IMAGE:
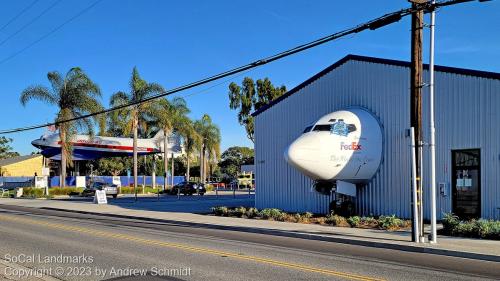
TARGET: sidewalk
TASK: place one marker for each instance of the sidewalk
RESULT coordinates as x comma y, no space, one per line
451,246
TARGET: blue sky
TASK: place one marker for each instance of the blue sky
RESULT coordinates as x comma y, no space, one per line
174,43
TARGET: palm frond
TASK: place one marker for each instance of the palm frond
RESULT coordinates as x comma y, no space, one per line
40,93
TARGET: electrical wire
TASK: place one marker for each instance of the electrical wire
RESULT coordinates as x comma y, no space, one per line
19,14
372,25
50,32
30,22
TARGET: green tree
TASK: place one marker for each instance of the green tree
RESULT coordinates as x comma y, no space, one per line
137,116
251,96
170,116
6,149
110,166
232,159
209,143
191,140
75,95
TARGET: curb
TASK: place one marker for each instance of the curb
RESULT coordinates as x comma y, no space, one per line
373,244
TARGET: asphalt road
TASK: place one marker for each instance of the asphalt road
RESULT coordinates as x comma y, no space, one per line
73,246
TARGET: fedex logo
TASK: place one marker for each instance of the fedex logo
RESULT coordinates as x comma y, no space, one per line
350,146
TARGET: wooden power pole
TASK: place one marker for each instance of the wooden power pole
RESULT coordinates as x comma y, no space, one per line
416,97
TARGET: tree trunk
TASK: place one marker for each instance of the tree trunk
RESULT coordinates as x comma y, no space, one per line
201,164
187,167
135,153
165,158
62,176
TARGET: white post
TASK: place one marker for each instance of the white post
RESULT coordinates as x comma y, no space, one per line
416,233
172,169
432,142
153,174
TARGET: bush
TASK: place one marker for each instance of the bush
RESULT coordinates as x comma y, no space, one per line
220,211
450,222
354,221
481,228
237,212
369,222
273,214
65,191
389,222
209,187
251,213
33,192
336,220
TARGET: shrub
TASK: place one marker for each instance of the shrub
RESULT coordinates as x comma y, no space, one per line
237,212
209,187
321,220
450,222
33,192
220,211
389,222
354,221
336,220
369,222
251,213
65,191
272,214
307,215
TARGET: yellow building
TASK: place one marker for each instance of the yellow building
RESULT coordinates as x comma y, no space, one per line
20,166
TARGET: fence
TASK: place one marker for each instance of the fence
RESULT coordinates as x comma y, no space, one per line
13,182
124,180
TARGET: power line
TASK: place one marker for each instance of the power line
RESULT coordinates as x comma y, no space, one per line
30,22
372,25
19,14
50,32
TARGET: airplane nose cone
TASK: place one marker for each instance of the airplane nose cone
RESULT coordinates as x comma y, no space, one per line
304,155
35,143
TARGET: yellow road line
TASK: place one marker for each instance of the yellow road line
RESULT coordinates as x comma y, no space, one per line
192,249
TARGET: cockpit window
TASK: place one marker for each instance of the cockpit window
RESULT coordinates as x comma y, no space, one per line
307,129
323,127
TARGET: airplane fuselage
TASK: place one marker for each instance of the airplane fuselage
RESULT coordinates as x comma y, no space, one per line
85,147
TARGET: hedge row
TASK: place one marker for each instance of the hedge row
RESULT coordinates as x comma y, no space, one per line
489,229
34,192
382,222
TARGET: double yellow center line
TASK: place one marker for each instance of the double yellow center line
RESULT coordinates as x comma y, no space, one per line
106,234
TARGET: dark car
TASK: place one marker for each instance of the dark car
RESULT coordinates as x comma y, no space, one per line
111,189
188,188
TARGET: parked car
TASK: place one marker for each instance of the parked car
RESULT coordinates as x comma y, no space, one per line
111,189
188,188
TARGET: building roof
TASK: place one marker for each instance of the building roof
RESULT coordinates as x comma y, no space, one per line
462,71
13,160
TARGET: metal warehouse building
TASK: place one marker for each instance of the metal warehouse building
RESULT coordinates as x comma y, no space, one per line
467,138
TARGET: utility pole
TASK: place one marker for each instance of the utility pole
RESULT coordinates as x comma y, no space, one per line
416,83
432,142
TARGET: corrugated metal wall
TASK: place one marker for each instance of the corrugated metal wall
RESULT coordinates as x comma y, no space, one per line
466,118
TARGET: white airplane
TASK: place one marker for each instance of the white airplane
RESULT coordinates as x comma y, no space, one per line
88,148
343,146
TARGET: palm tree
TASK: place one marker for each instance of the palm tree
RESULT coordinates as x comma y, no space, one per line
192,140
137,115
75,95
170,116
210,141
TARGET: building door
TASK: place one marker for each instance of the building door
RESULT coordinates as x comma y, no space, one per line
466,183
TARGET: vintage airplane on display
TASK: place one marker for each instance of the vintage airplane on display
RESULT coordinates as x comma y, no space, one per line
86,147
341,147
